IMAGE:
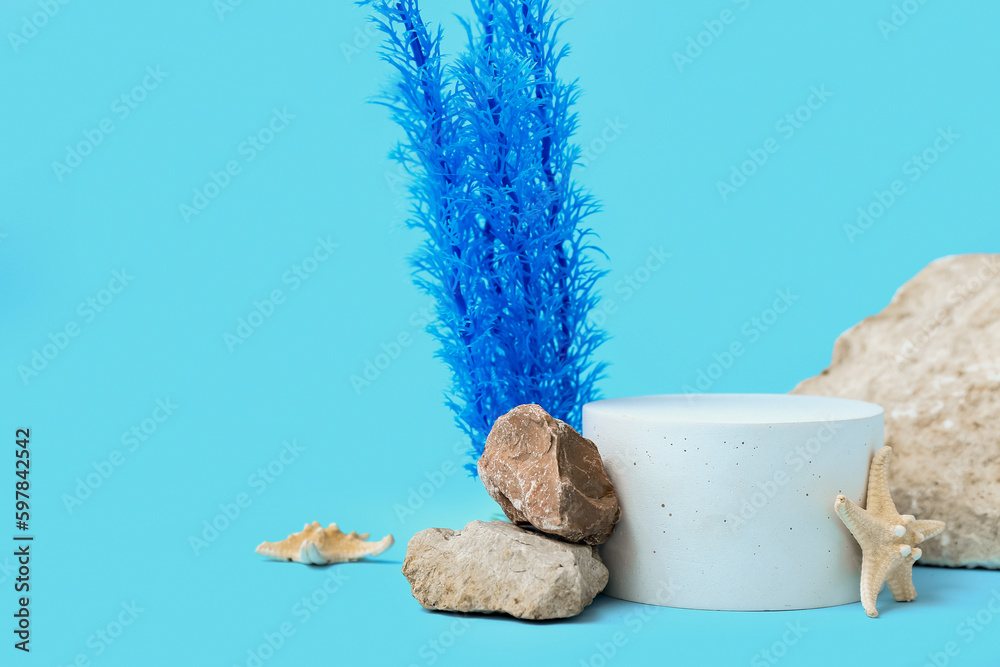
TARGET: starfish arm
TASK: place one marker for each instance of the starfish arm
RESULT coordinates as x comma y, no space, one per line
874,568
927,528
857,520
900,581
879,501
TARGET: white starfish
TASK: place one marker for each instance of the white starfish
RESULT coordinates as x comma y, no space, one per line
888,540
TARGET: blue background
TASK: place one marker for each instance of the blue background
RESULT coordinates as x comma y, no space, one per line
670,134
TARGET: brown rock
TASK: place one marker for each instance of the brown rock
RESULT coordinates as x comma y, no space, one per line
497,567
931,359
544,473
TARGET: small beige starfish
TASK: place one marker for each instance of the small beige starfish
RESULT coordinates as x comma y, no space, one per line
888,541
316,545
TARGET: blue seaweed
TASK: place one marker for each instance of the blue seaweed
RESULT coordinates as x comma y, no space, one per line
506,256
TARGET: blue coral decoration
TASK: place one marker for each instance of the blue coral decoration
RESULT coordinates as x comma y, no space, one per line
506,254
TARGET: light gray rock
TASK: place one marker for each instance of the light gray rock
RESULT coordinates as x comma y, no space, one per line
498,567
931,359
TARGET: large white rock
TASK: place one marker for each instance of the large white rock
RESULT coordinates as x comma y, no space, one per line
931,359
498,567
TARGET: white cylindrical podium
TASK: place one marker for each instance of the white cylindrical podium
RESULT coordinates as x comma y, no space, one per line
727,499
